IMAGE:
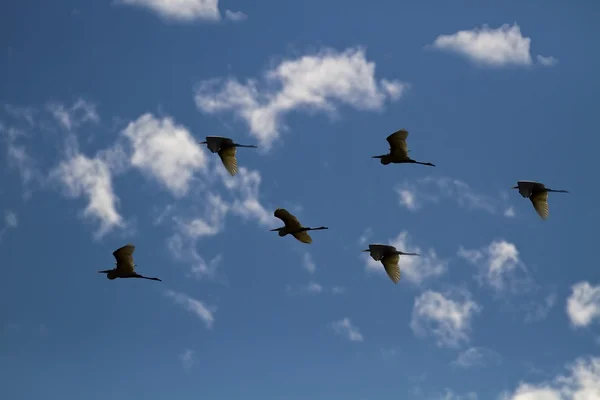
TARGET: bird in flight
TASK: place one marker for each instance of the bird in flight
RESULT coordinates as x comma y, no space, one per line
538,194
125,267
389,257
227,149
293,226
398,150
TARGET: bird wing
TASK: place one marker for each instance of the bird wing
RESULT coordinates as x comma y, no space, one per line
214,143
525,188
288,219
227,155
124,257
540,203
390,263
397,141
303,236
378,251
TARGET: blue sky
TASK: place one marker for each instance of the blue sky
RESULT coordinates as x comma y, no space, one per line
102,106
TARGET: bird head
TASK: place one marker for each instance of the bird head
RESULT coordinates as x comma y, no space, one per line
109,273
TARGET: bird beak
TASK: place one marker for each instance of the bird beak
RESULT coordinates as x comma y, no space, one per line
104,272
273,230
515,187
366,250
202,142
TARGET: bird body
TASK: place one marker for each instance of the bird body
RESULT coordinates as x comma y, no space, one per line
538,194
293,226
389,257
227,149
125,268
399,151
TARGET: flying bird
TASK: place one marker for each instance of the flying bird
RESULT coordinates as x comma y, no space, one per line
293,226
125,267
538,194
398,150
389,257
226,148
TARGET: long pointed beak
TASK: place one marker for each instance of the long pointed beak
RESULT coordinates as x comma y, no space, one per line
105,271
202,142
377,157
514,187
367,250
273,230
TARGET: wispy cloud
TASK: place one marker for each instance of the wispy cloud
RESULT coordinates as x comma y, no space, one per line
10,222
492,47
415,269
447,317
179,10
583,304
317,82
477,357
538,311
451,395
187,359
183,249
235,16
72,117
345,328
414,195
194,306
308,263
498,264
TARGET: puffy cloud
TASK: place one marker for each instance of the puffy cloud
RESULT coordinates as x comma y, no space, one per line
165,151
180,10
492,46
317,82
583,305
448,319
581,383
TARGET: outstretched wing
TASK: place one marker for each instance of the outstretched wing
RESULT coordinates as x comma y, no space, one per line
397,141
124,257
288,219
390,263
227,155
303,236
214,143
540,203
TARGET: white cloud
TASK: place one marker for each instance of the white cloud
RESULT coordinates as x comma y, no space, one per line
365,237
180,10
583,305
497,262
581,383
509,212
165,151
235,15
72,117
447,319
10,219
477,357
308,263
414,194
344,327
91,177
317,82
415,269
194,306
487,46
213,222
539,311
407,199
187,359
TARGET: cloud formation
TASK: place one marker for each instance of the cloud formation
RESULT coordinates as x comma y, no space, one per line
316,82
495,47
583,304
447,317
180,10
194,306
345,328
